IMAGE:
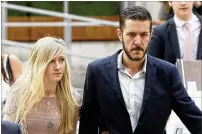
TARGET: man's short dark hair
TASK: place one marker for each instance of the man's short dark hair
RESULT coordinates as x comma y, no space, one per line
135,13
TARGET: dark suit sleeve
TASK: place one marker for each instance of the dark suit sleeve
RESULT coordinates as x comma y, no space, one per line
184,106
156,44
89,109
19,130
8,127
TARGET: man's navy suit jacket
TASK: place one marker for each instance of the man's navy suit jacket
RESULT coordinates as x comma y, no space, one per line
8,127
104,107
164,42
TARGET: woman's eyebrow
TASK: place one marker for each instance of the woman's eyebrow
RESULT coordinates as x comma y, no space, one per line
60,57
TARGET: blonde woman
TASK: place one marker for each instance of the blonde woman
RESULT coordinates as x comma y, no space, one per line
42,100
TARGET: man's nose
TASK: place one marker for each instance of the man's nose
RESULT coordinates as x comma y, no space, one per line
183,2
137,40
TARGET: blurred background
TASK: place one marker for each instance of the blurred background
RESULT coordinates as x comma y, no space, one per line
88,27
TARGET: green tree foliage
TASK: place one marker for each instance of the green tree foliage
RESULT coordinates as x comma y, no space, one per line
84,8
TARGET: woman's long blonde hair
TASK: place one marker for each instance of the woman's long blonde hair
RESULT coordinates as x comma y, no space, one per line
31,85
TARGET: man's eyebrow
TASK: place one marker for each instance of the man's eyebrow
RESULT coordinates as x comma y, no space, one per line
131,32
145,32
138,32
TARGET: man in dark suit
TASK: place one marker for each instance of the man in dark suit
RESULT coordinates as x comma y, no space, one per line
169,40
8,127
132,92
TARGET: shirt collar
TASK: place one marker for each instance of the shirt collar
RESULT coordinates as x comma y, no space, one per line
121,67
180,23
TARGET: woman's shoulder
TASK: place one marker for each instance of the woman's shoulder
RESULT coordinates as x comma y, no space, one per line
14,60
4,90
16,65
12,102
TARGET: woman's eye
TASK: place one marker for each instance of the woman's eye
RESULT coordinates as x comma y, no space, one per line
62,60
51,61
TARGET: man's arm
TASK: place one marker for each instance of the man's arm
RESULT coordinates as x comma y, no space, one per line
156,44
10,127
19,130
89,109
184,106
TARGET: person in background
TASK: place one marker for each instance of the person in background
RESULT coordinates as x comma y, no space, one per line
8,127
180,37
42,99
167,12
11,69
131,92
197,9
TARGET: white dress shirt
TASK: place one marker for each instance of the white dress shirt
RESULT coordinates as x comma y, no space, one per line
132,89
195,31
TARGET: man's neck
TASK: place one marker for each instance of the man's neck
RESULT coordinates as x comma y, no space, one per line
185,18
132,66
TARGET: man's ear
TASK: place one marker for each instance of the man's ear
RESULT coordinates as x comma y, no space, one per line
119,34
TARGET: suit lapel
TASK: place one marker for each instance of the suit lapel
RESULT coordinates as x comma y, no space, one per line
112,70
199,49
174,39
149,82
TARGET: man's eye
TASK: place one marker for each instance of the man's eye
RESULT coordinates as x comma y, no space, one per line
131,34
144,34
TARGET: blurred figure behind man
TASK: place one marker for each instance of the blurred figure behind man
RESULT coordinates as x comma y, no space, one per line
11,69
180,37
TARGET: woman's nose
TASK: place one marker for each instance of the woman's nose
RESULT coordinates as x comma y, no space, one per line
57,65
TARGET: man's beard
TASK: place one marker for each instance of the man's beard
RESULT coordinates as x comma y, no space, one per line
128,53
